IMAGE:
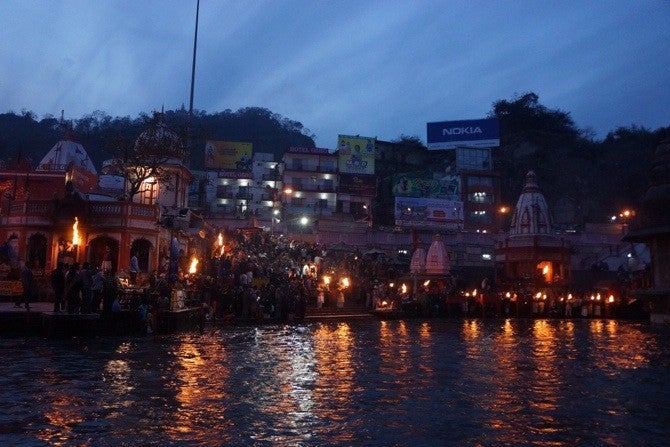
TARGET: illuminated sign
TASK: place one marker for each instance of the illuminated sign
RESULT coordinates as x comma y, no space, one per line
471,133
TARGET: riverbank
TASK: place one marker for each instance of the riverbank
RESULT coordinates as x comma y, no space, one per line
40,320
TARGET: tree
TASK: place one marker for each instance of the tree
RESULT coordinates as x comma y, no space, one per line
146,159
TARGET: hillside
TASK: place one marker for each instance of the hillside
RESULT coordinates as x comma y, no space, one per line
584,180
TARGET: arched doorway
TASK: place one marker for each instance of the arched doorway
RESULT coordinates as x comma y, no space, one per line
36,255
142,249
104,253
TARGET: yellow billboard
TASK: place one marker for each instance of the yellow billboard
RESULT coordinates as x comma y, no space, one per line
230,155
356,154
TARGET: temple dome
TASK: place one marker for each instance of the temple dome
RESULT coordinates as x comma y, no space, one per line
437,259
531,215
160,140
65,154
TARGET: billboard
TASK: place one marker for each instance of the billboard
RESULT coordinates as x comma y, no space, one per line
446,187
433,213
472,133
358,184
356,155
232,155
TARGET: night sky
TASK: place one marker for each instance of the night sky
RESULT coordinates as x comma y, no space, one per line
374,68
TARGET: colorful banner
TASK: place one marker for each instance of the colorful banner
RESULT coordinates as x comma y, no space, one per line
356,155
471,133
448,187
422,212
233,155
360,185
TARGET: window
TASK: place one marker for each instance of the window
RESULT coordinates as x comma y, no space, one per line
328,166
480,181
480,216
297,201
297,163
480,197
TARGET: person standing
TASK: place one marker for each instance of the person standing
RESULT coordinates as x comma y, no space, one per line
134,268
58,285
106,259
73,289
28,283
86,276
96,289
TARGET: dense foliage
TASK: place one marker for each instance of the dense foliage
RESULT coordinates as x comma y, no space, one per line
584,180
100,133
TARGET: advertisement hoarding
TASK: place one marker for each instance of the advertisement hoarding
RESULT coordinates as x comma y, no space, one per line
358,184
447,187
420,212
356,155
231,155
472,133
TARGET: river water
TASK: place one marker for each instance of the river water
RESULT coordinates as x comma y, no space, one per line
367,383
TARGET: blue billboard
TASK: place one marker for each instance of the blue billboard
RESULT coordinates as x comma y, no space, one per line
471,133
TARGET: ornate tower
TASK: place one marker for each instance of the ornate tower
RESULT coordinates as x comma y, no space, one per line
531,255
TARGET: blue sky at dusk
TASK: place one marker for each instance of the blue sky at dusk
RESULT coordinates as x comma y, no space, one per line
374,68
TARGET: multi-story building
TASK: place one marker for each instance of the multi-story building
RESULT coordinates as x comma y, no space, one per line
234,194
310,184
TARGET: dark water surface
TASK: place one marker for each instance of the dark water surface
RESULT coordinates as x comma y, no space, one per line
376,383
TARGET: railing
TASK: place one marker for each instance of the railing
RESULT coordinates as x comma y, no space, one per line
97,211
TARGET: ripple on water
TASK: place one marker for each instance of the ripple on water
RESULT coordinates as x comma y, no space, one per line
438,382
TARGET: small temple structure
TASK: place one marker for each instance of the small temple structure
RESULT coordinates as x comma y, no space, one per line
437,259
653,228
531,256
62,210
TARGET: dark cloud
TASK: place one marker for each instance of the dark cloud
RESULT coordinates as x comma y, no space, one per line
371,68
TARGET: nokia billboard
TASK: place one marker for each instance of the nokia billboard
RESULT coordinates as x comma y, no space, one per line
472,133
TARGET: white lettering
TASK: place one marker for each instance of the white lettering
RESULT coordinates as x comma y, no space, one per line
462,131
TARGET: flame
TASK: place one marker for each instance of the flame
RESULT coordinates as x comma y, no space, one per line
194,265
345,282
326,280
220,242
404,288
75,232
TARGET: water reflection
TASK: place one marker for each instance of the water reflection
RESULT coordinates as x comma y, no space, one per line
437,382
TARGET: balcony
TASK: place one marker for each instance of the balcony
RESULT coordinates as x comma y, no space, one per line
92,214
